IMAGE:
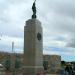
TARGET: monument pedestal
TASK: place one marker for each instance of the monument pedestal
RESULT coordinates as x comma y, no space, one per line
32,71
33,47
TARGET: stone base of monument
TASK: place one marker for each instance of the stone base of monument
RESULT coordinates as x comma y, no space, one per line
31,70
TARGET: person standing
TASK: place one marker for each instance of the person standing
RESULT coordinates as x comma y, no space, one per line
68,70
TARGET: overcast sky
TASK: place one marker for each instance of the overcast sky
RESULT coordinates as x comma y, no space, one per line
58,22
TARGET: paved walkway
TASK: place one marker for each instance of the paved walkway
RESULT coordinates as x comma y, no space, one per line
52,74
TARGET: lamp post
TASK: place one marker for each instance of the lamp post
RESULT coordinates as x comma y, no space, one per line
15,61
12,46
9,63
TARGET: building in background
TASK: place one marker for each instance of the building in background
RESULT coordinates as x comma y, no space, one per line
51,63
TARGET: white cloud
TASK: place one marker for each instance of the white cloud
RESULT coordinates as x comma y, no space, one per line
57,17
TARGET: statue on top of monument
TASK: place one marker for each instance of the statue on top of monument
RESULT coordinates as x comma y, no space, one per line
34,10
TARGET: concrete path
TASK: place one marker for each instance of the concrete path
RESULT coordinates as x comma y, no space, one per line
52,74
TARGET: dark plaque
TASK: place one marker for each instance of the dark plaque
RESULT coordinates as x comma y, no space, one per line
39,36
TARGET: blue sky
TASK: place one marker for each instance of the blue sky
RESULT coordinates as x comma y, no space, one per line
58,22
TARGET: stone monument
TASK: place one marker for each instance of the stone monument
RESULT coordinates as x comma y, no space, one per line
33,45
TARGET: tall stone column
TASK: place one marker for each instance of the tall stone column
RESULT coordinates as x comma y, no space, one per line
33,47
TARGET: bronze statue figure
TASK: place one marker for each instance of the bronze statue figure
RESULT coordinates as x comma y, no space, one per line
34,10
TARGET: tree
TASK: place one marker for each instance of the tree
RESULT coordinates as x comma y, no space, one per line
7,65
45,64
17,64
